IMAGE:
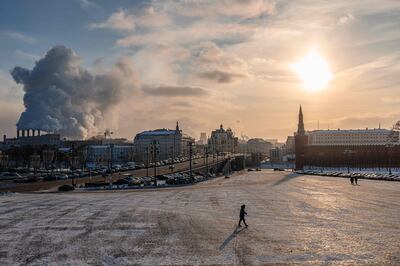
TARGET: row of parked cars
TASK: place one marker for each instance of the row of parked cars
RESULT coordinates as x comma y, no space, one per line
26,175
372,176
169,179
184,178
40,175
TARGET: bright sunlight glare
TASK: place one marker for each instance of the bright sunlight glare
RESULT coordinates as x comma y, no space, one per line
314,71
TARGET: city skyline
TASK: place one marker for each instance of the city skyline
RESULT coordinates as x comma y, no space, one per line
205,64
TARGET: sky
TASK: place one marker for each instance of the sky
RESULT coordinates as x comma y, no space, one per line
206,63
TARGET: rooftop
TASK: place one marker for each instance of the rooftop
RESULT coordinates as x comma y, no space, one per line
383,130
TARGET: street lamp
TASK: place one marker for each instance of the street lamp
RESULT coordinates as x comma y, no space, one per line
206,151
154,150
171,166
190,160
147,160
389,147
348,153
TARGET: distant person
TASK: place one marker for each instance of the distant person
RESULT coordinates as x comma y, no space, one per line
242,214
352,180
355,180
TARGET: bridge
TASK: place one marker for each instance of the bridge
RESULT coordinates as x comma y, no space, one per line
212,165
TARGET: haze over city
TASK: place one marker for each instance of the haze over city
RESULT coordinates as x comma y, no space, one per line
134,65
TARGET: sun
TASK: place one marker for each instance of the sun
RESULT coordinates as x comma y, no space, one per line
314,71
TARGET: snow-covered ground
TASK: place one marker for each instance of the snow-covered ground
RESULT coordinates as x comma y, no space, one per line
293,219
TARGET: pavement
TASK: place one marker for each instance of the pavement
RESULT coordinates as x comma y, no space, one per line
293,219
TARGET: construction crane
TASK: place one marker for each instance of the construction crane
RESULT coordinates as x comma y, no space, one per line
106,134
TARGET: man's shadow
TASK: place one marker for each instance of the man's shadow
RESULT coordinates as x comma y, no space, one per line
232,236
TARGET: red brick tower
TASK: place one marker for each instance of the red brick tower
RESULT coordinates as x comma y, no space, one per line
301,141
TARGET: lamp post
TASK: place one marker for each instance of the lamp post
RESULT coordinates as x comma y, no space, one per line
154,150
348,153
147,160
206,159
389,147
190,160
172,158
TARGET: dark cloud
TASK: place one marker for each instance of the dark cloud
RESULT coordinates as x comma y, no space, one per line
61,96
174,91
221,76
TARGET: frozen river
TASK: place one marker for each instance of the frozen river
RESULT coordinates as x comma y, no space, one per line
293,219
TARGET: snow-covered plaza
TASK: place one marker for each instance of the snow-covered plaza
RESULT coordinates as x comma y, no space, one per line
292,219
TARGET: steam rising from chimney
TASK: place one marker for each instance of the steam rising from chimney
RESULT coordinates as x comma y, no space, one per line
61,96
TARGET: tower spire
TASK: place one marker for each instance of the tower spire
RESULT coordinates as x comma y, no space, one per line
300,126
177,126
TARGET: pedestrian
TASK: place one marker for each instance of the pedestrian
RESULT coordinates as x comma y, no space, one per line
352,180
242,214
356,180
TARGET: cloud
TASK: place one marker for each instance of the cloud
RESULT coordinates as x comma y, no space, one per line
174,91
22,37
345,19
221,76
129,20
230,8
367,120
118,21
87,4
246,48
377,73
62,96
9,91
26,56
214,64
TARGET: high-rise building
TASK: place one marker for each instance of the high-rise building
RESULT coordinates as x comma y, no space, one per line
203,138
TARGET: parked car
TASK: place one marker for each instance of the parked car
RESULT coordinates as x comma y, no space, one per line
65,188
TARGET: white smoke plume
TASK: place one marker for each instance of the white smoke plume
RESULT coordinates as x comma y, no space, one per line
61,96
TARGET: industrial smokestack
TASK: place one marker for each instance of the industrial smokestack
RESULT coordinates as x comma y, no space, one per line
61,96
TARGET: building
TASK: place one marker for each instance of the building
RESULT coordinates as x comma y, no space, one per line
289,145
258,145
100,155
274,142
31,137
369,148
301,141
168,144
203,138
222,141
353,137
275,155
40,140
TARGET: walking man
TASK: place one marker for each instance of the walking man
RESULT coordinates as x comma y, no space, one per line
242,214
